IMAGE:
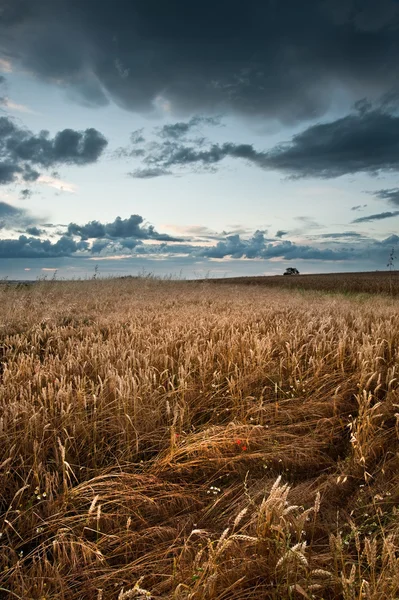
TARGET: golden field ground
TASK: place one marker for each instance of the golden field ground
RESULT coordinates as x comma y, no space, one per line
193,441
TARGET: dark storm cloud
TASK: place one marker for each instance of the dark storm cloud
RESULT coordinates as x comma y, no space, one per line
360,142
179,155
3,87
392,195
34,231
237,247
29,174
276,59
344,235
198,155
7,211
366,140
377,217
29,247
12,217
257,247
25,194
231,247
149,173
136,137
3,99
22,152
178,130
8,172
133,227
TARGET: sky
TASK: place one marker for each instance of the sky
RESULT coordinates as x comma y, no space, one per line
196,140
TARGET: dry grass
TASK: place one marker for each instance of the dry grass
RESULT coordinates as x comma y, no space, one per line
192,441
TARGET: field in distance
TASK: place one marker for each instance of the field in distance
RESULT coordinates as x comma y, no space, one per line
197,441
373,282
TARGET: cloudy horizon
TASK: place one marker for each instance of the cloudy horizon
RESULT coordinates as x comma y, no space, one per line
197,140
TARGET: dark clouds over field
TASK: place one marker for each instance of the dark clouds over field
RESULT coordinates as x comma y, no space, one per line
275,59
322,70
280,60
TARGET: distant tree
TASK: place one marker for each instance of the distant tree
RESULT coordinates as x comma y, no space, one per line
291,271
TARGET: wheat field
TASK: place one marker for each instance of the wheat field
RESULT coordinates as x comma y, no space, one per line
191,441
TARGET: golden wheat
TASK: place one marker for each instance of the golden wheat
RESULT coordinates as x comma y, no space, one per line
191,441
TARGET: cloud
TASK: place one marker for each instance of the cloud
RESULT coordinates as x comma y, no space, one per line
5,66
132,227
366,140
308,222
29,247
392,195
278,60
281,233
132,237
14,106
28,174
8,172
12,217
360,142
136,137
149,173
377,217
200,232
343,235
177,131
58,184
22,152
35,231
173,151
25,194
257,247
358,207
232,247
169,137
180,155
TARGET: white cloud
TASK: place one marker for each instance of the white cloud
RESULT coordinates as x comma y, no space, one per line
58,184
11,105
162,104
5,65
198,230
110,257
7,197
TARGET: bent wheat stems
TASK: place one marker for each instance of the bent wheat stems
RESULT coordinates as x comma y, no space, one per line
189,440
